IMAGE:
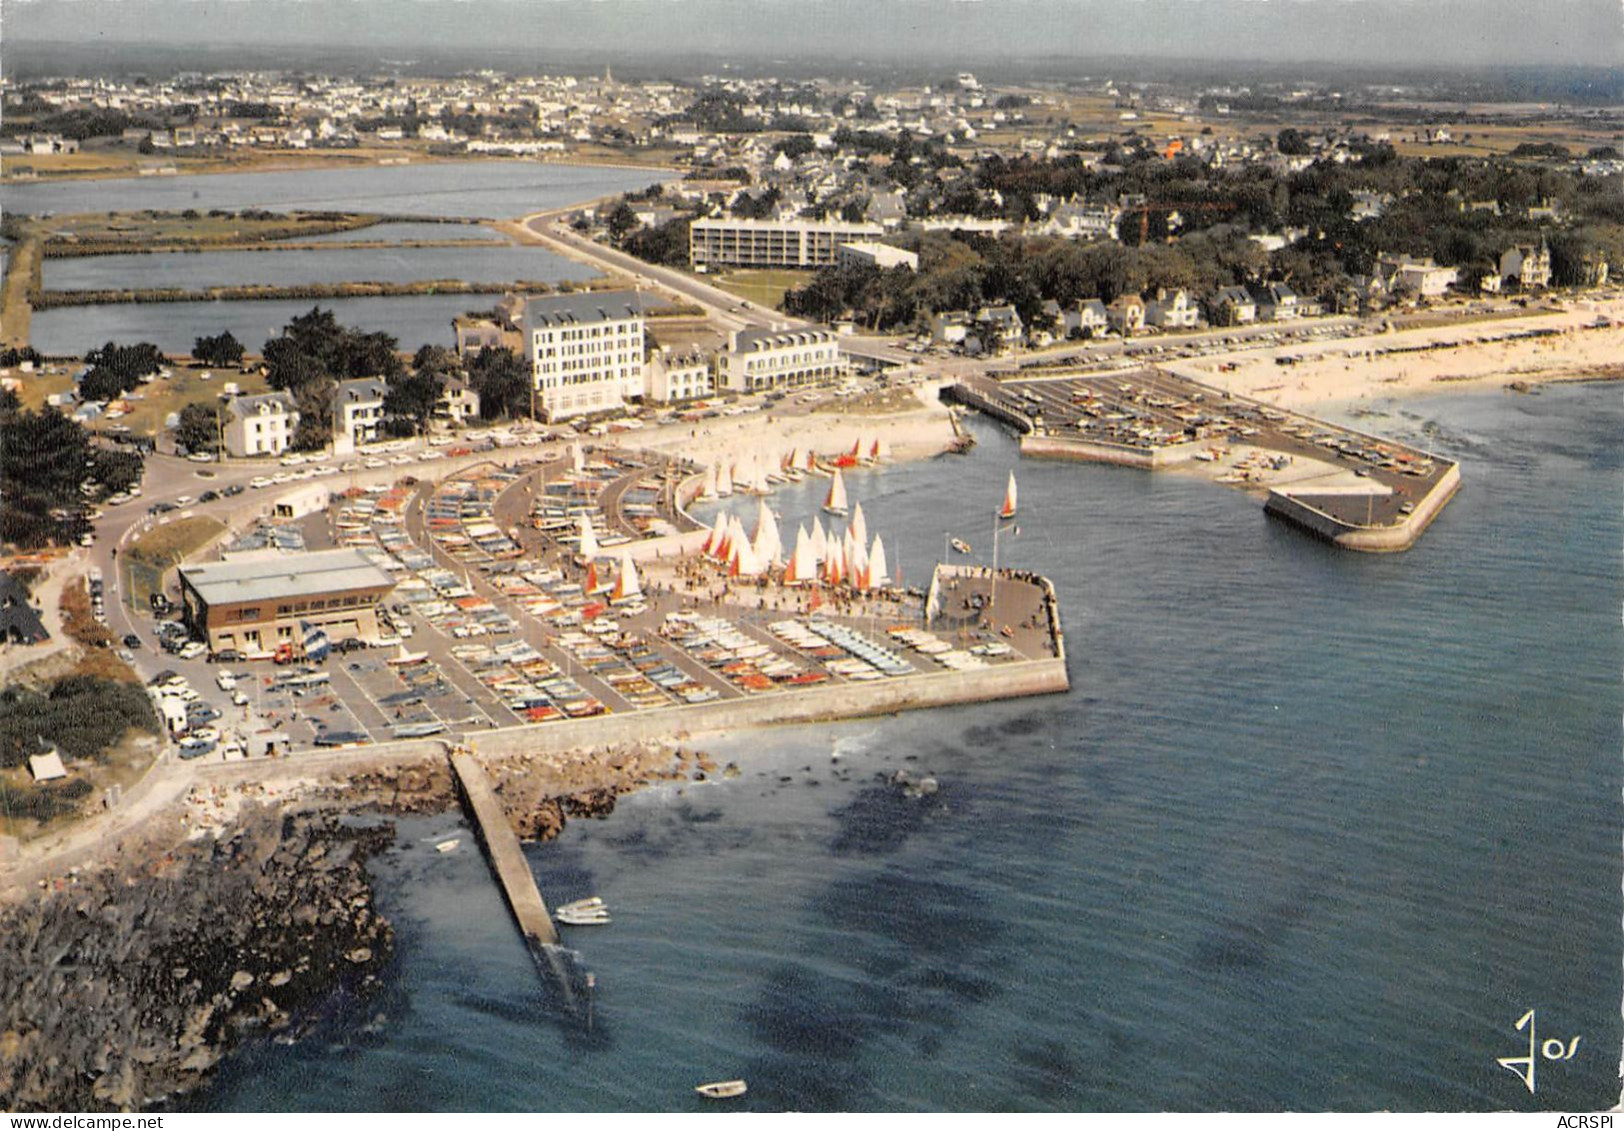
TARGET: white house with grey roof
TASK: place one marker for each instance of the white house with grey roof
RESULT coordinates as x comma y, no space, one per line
586,351
767,359
357,413
261,425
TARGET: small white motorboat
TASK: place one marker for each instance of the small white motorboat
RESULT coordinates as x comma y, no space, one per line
722,1089
447,845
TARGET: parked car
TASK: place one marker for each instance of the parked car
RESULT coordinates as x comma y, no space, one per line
234,489
192,651
162,508
131,640
227,656
208,496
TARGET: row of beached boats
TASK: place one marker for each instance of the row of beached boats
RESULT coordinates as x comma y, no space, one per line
758,473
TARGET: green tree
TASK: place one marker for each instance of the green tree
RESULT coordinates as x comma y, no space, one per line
221,349
622,220
199,428
412,397
503,383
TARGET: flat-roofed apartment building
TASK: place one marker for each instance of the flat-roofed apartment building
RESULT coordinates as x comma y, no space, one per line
773,243
586,351
769,359
254,605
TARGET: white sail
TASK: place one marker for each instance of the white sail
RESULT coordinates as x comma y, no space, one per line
589,540
820,540
877,572
1009,507
836,502
745,563
933,599
626,584
856,561
724,481
710,491
713,539
767,543
802,566
577,458
859,525
882,450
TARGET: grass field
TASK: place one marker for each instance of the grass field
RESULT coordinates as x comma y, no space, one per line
764,288
151,404
175,541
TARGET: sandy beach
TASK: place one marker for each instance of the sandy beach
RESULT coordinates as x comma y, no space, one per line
915,434
1344,371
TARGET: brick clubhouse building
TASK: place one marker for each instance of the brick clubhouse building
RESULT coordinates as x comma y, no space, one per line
259,604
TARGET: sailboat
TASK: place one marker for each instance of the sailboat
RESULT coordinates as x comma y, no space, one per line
626,587
403,657
1008,509
877,578
588,548
724,482
859,525
802,568
836,504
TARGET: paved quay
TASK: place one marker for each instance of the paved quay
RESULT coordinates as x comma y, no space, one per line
1353,489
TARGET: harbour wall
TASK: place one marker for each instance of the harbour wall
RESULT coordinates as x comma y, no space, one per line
1389,538
1043,446
828,703
969,395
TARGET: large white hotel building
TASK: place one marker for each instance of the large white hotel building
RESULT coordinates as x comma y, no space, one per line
586,351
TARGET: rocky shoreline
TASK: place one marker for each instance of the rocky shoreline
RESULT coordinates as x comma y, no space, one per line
125,986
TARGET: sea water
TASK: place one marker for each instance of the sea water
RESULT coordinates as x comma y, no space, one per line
1311,830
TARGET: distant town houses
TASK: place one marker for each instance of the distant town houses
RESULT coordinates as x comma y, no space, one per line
1420,277
1172,310
458,403
759,359
1232,306
671,378
1526,265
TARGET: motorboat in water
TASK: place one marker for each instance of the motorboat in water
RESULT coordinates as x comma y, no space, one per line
961,545
722,1089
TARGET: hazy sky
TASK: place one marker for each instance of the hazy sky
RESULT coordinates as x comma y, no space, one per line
1399,32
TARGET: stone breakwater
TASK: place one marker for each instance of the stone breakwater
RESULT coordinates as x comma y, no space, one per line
124,987
539,793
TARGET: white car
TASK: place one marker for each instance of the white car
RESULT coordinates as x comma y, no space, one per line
225,681
374,463
282,477
292,459
239,698
401,460
184,500
201,457
194,651
353,465
259,481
